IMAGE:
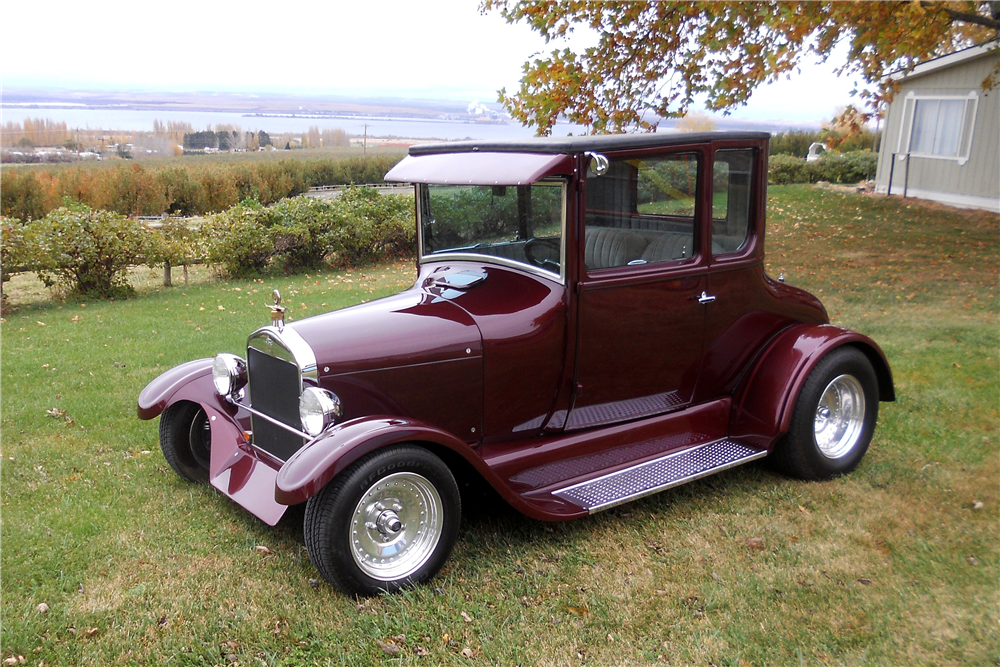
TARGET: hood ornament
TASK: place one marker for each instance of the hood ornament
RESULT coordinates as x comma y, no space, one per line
278,312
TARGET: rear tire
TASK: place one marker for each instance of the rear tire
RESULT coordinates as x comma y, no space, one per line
387,522
186,440
834,418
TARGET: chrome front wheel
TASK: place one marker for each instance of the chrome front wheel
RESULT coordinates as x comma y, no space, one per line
388,521
396,526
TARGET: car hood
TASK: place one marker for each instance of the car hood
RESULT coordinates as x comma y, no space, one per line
412,327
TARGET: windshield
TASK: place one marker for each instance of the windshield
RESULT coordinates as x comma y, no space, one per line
520,224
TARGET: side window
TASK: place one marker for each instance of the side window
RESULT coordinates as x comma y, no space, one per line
641,211
732,183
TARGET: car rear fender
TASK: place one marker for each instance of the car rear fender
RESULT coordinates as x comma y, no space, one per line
191,381
765,399
312,467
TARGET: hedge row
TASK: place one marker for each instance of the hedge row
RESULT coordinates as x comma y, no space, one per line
89,251
133,190
850,167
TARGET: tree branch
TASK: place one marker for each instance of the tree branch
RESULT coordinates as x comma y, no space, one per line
965,17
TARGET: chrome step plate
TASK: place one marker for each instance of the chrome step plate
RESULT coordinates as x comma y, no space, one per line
662,473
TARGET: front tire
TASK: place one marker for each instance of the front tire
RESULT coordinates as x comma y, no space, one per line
186,440
387,522
834,418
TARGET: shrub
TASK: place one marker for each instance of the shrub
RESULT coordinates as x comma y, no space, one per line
240,240
300,232
784,169
189,190
373,227
21,195
89,251
360,226
14,249
850,167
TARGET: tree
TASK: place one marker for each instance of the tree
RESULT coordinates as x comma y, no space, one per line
695,121
654,58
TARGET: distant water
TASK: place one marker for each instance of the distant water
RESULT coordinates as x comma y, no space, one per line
378,126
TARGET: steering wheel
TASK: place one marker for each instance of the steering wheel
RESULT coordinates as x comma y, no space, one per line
543,246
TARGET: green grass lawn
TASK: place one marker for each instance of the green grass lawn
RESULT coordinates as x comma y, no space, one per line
891,565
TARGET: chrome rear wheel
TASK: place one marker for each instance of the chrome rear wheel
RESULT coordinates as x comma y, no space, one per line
840,417
834,418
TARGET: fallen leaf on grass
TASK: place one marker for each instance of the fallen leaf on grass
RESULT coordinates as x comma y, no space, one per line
804,510
977,505
466,617
42,608
388,648
577,611
14,660
865,582
91,632
972,560
421,651
466,652
262,549
755,543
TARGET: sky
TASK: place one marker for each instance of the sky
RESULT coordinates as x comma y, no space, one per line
434,49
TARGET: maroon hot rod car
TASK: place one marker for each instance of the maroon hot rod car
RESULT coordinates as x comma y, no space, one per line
591,323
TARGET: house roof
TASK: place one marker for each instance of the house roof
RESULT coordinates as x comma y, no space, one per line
949,60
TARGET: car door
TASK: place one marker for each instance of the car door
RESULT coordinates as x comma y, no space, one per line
641,294
745,313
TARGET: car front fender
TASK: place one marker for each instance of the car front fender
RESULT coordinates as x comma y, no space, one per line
180,382
312,467
765,399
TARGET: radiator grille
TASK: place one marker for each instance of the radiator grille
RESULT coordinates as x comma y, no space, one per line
275,385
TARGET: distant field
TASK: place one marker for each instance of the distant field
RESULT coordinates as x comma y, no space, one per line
895,564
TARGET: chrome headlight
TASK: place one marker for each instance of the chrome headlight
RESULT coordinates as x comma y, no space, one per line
229,373
318,408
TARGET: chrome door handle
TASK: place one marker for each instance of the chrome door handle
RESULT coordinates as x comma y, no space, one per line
706,298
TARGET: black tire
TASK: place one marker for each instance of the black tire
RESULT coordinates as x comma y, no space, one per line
834,418
186,440
376,503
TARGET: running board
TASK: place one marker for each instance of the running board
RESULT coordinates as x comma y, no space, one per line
659,474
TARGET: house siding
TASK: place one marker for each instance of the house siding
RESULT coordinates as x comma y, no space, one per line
975,182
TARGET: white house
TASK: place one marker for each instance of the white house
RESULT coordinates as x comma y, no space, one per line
942,132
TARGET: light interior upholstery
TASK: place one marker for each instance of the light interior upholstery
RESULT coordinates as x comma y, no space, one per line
607,247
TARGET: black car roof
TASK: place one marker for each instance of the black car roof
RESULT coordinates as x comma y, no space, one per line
600,142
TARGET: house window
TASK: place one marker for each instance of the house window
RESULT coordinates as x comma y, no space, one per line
938,126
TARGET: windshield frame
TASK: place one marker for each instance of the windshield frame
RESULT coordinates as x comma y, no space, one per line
457,254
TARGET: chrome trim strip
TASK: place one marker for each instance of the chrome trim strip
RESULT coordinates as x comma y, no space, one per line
575,498
291,429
